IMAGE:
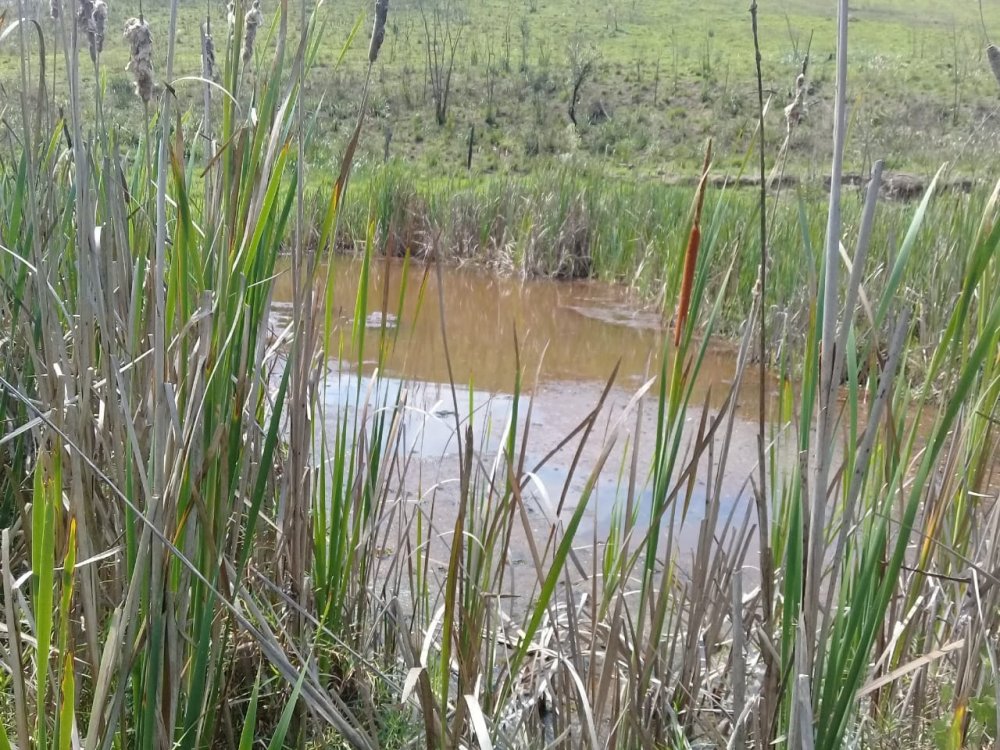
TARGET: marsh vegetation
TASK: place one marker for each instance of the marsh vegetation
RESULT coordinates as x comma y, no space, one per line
309,439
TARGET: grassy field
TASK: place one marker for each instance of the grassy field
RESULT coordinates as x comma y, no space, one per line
187,560
666,75
543,196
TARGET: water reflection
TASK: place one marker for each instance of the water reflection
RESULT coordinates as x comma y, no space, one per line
567,331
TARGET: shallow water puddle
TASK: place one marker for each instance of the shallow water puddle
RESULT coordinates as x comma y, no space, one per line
570,337
576,330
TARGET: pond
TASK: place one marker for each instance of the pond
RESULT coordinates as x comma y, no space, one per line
568,337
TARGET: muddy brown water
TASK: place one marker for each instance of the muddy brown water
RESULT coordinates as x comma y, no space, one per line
568,332
571,336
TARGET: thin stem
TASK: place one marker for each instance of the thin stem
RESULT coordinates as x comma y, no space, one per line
814,553
766,562
208,69
159,270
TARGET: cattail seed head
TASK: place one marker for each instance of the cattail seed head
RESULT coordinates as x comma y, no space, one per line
55,8
993,54
795,112
378,29
100,18
207,54
253,19
86,21
85,15
140,40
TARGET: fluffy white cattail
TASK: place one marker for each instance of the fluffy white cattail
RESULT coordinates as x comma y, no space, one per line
796,111
378,30
140,40
85,15
252,21
100,24
87,24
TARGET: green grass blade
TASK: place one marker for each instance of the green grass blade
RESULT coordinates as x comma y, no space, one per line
905,251
250,721
47,497
278,738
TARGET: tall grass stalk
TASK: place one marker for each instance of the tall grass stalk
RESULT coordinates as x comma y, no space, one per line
831,266
765,554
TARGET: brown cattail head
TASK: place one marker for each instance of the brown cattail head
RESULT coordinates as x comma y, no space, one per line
207,54
691,254
140,62
378,30
993,54
253,19
55,8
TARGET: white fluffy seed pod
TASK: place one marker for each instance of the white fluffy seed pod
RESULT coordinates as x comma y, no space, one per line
140,63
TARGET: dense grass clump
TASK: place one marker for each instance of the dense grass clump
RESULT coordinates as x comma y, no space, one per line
216,531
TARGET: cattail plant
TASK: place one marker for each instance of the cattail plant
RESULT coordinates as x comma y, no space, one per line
140,63
55,8
85,15
378,30
207,54
691,255
86,23
993,55
253,19
99,22
796,111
